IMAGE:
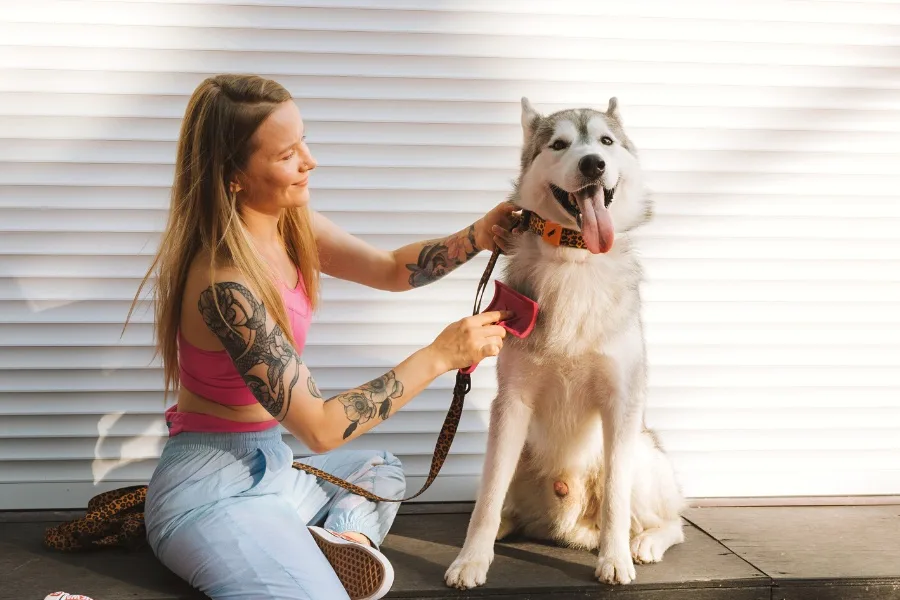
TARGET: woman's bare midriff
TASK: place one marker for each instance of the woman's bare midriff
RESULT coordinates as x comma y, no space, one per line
189,402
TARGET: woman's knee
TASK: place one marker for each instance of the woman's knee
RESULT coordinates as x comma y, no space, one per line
391,460
393,468
381,459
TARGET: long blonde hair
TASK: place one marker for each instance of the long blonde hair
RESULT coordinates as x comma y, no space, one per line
214,145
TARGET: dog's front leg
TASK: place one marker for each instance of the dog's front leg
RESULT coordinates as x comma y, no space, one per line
506,437
621,427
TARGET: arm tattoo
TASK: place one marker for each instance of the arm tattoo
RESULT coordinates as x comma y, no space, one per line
370,400
313,388
438,258
242,330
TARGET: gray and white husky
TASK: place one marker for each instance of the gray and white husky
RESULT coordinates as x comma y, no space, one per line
568,456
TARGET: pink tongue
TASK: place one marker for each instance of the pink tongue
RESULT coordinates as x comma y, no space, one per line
597,227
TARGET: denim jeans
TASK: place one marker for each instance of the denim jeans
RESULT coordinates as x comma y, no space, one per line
228,513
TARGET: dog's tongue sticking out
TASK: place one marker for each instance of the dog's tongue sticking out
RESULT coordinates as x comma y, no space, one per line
597,226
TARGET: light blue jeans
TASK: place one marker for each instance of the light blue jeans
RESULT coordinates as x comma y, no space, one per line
228,514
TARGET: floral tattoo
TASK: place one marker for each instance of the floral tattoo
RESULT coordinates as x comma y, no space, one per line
370,400
438,258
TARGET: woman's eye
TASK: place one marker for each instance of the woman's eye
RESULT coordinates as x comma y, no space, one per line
606,140
289,156
559,145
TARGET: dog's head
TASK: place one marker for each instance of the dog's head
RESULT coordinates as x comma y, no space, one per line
580,170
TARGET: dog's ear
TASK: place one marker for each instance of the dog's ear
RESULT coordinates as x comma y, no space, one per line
529,119
612,111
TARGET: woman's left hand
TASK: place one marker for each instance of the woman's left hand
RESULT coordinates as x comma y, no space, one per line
496,228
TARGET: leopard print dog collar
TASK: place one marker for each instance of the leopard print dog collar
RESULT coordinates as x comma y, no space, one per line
553,233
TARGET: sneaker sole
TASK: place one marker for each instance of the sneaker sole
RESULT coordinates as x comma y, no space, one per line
362,570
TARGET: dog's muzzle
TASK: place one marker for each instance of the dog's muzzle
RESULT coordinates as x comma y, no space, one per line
567,199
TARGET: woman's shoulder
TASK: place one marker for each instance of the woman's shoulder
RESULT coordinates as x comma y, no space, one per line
207,290
202,272
205,280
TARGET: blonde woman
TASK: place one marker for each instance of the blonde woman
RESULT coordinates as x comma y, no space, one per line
237,281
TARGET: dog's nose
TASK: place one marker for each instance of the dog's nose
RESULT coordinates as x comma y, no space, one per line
591,166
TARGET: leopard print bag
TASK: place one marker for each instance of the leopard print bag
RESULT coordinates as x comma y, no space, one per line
114,518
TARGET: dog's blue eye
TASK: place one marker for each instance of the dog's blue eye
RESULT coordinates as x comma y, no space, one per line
606,140
559,145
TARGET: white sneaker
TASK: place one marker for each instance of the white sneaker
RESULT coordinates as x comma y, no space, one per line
364,572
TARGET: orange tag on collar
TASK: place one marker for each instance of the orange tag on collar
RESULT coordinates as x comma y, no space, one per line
552,233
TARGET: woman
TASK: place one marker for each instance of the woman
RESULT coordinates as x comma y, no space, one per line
236,284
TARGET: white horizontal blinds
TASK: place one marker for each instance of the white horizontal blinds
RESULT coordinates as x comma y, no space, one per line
769,132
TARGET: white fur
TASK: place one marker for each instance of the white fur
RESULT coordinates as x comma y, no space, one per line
571,396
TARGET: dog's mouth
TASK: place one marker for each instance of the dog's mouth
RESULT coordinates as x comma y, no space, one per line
566,200
590,210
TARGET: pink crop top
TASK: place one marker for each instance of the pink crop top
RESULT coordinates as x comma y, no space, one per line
211,374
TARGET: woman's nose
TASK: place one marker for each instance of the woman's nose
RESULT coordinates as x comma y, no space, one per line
309,162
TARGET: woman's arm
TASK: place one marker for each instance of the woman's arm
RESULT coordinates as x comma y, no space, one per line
426,262
283,385
414,265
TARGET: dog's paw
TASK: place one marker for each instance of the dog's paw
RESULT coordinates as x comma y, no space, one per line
615,568
648,547
469,570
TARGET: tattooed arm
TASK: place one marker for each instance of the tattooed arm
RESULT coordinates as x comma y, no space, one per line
283,385
412,266
425,262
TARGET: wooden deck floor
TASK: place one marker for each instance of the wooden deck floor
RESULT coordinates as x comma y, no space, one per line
796,553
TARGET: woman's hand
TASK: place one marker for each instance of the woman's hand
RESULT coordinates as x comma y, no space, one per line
496,228
469,340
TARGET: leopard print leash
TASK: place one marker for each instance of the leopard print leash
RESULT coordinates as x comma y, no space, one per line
448,429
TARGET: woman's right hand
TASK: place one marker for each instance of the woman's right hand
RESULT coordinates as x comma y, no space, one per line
469,340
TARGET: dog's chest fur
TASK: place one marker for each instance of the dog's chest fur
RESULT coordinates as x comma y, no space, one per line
584,301
587,339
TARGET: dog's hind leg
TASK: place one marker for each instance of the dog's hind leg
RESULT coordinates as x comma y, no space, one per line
656,503
650,545
508,525
506,437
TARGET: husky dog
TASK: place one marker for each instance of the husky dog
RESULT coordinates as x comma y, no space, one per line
569,459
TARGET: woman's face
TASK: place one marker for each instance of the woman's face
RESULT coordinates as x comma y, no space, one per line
277,171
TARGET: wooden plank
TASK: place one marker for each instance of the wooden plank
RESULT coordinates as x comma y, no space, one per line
30,571
420,548
840,589
809,542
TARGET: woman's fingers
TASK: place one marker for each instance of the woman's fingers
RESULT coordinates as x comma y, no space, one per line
492,346
494,331
504,238
491,316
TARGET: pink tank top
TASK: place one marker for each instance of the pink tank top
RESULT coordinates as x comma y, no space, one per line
211,374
